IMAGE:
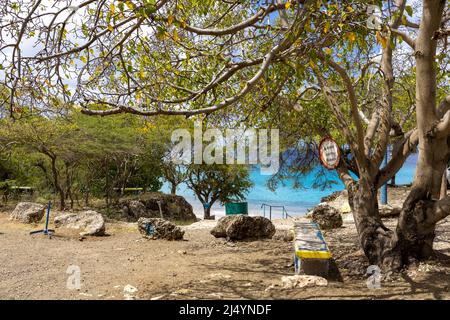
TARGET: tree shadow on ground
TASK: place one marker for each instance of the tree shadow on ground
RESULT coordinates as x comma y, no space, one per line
437,281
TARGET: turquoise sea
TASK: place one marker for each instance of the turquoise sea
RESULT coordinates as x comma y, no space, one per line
296,201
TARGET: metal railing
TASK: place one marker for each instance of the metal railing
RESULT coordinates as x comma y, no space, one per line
284,212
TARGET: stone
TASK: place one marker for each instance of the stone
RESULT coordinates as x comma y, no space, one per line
345,208
134,209
331,196
388,211
302,281
130,289
148,205
348,217
284,235
28,212
157,228
326,217
129,292
240,227
340,202
90,222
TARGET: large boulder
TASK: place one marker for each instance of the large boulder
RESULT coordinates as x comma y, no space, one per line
28,212
148,205
134,209
157,228
91,223
240,227
326,217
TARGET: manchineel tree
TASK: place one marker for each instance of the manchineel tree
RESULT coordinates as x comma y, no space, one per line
198,57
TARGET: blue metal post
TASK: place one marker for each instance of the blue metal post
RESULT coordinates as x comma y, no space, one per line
46,231
384,197
47,217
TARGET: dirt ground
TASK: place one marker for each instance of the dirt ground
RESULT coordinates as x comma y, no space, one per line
201,267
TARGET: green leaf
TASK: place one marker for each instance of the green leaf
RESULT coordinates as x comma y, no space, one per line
409,10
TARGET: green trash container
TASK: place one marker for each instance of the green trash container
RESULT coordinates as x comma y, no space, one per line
236,208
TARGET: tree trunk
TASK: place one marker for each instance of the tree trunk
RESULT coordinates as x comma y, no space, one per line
443,192
58,187
206,212
377,241
393,183
173,189
86,198
418,218
62,199
71,199
415,237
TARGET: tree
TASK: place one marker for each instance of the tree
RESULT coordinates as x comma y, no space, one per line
240,56
80,154
173,173
218,182
53,142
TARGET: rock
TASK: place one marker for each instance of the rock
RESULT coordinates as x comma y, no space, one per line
85,294
90,222
340,202
173,207
183,291
28,212
157,228
345,208
240,227
129,289
129,292
284,235
331,196
388,211
302,281
348,217
271,287
326,217
135,209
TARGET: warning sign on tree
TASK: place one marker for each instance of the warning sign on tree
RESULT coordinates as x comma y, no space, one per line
329,153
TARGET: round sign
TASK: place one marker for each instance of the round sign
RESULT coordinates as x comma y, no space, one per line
329,153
